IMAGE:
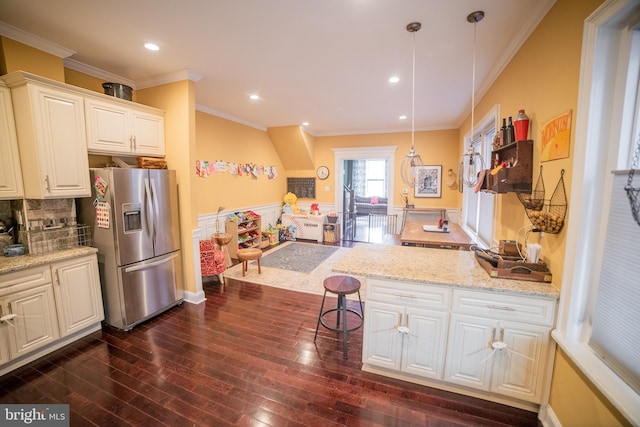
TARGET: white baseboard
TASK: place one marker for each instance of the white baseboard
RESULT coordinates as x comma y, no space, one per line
194,297
547,417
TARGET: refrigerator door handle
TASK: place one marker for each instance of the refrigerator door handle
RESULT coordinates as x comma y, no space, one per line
156,208
151,264
150,211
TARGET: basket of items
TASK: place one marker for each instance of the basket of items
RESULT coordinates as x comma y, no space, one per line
550,216
535,199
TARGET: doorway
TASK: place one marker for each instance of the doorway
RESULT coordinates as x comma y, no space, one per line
364,192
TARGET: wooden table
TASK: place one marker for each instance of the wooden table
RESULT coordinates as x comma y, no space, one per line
414,235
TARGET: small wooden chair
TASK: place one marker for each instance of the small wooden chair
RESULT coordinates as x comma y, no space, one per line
249,254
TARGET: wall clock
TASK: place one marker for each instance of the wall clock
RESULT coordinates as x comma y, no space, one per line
323,172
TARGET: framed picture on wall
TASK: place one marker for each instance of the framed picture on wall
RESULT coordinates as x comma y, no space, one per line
428,181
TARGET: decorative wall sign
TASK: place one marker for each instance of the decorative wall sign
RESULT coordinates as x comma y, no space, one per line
428,181
204,168
556,135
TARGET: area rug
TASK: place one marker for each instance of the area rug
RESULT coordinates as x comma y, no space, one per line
302,257
310,282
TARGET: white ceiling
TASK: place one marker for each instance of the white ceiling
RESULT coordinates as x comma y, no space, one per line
322,61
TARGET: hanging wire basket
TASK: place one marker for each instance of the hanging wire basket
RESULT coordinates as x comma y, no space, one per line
633,193
535,199
551,217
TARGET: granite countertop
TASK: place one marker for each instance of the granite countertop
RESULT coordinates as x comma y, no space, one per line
9,264
433,266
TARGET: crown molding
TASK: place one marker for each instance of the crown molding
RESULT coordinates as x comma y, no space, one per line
543,7
34,41
208,110
175,76
97,72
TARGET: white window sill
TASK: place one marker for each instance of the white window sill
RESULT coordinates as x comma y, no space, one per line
623,397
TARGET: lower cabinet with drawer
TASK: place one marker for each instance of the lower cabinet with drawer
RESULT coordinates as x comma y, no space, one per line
41,312
408,332
499,343
28,313
486,344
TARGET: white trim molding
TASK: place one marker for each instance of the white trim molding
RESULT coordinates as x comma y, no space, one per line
34,41
598,132
198,296
342,154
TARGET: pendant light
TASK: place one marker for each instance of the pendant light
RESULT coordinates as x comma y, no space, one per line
471,162
411,160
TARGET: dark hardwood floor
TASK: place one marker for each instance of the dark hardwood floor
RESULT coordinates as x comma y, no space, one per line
245,357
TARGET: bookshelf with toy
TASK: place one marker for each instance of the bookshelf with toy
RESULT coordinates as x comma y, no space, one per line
246,231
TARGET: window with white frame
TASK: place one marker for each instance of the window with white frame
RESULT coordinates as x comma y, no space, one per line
599,317
376,177
478,208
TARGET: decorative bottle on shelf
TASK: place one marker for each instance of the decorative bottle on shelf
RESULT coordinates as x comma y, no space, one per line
503,133
510,132
522,126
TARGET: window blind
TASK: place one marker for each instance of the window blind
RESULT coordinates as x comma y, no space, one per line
615,335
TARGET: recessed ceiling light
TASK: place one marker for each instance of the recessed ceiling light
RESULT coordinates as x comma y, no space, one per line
403,117
305,123
254,97
394,79
152,46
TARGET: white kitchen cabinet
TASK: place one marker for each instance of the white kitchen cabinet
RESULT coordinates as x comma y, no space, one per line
46,307
408,331
490,351
77,291
28,311
486,344
405,339
10,172
114,127
50,126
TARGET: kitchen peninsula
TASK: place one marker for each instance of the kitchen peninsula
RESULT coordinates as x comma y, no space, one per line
435,317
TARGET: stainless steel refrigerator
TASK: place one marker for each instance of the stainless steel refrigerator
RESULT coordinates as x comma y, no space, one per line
133,214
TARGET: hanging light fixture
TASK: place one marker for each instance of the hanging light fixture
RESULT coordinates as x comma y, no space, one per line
411,160
471,162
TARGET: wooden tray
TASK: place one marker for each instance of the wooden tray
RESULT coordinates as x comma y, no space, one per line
517,270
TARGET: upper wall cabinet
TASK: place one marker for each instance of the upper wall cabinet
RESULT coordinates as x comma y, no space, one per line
50,124
10,173
115,128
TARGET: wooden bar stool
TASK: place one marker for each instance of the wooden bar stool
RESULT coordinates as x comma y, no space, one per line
249,254
341,286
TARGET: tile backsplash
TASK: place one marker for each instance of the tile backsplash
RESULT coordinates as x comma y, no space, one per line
46,214
45,225
5,210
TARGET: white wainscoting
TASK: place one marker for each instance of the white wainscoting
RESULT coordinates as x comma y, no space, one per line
268,213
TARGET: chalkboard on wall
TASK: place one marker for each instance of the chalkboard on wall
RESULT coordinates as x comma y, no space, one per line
303,188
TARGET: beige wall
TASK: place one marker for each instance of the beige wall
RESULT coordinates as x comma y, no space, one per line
543,78
83,80
178,102
17,56
221,139
435,148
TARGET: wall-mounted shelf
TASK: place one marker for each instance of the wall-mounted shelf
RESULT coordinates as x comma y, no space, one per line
517,177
